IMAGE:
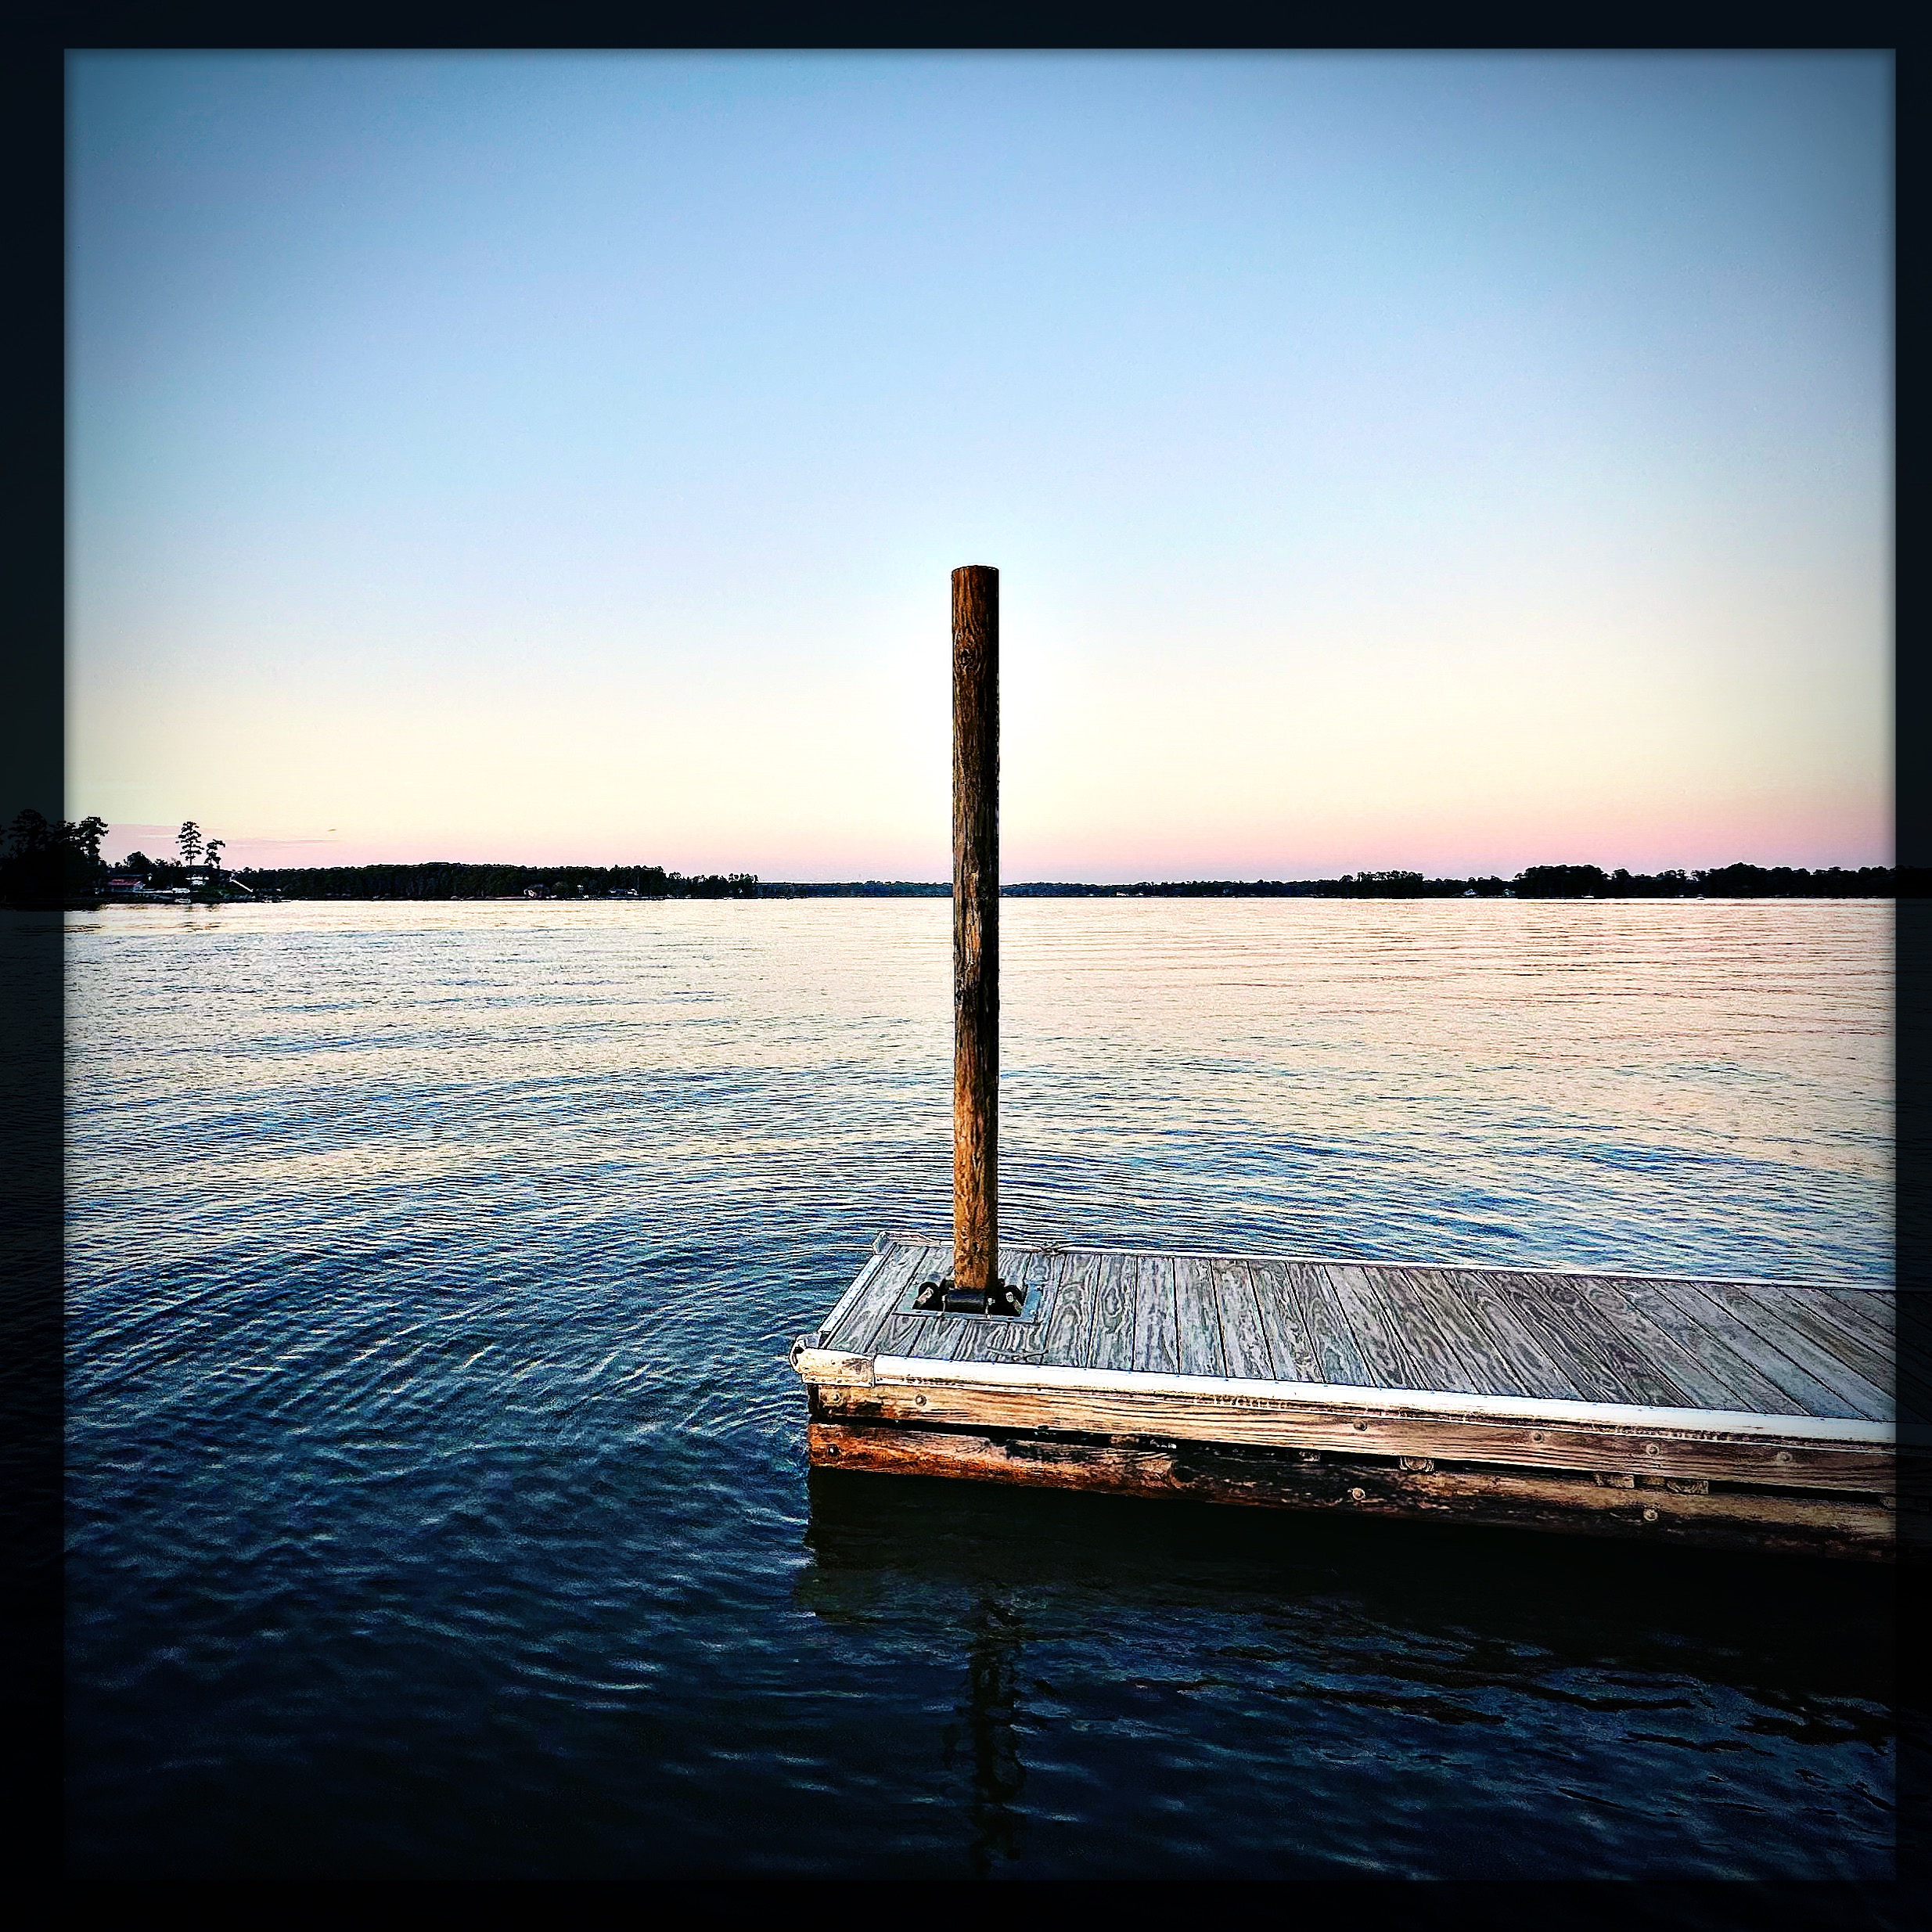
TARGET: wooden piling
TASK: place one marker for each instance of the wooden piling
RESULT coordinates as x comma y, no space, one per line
976,928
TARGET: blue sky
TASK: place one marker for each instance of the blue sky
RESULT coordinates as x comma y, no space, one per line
1456,461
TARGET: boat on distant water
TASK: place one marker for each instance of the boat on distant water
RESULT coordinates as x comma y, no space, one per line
203,885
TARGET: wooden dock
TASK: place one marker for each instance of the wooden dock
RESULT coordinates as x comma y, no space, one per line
1745,1414
1753,1415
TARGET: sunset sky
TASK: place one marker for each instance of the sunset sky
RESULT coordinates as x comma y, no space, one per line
1452,462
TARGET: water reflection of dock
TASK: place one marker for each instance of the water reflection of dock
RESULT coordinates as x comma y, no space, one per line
1740,1414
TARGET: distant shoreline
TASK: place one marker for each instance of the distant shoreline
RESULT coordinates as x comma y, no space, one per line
1872,882
445,881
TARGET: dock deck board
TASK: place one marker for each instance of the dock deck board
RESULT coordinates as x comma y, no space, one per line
1680,1343
1337,1359
1156,1321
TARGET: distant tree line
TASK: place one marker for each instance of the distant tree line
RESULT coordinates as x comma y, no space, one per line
858,889
1592,882
1535,882
52,862
1168,889
1723,882
48,862
57,861
441,880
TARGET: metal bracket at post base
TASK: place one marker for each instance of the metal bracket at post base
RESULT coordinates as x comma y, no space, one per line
1005,1300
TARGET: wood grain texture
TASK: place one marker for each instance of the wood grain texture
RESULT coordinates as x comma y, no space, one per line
1326,1326
1692,1365
975,924
1067,1312
1198,1318
861,1323
1566,1299
1593,1369
1438,1347
932,1337
1353,1296
1156,1321
958,1338
1014,1341
1902,1369
1110,1335
1788,1311
897,1334
1307,1425
1823,1525
1522,1363
1717,1376
1872,1313
881,1259
1291,1345
1805,1394
1243,1339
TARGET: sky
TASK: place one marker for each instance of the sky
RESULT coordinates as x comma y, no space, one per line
1450,462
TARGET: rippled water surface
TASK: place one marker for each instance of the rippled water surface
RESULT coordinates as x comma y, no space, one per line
437,1497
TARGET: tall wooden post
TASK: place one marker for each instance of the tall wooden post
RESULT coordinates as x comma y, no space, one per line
976,931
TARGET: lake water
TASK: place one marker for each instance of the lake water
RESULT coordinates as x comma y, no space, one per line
438,1503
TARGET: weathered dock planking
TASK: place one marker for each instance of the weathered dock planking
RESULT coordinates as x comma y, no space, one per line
1745,1414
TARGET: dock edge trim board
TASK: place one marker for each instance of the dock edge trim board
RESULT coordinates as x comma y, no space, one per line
835,1366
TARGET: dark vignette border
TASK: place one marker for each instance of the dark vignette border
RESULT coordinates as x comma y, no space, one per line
32,126
1912,684
30,1008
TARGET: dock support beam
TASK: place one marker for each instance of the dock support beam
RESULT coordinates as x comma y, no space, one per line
976,929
